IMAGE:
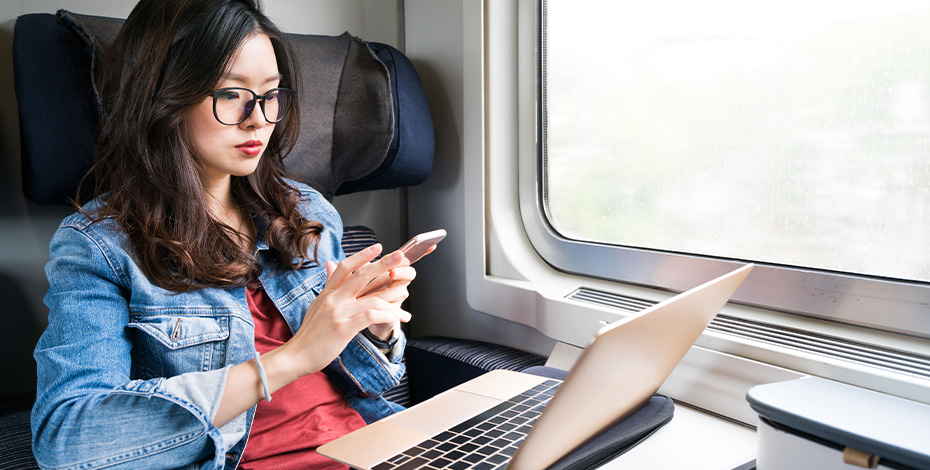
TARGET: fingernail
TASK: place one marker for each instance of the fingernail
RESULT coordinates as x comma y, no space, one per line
374,248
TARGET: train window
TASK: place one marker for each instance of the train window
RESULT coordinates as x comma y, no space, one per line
793,135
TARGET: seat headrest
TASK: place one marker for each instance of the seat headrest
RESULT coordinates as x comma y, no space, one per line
365,123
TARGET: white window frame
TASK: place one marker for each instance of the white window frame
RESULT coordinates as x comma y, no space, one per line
518,269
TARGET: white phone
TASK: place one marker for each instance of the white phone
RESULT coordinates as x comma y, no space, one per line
422,244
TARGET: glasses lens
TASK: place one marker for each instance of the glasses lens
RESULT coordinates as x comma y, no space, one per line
276,104
233,105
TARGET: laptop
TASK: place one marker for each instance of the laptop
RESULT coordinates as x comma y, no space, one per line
624,364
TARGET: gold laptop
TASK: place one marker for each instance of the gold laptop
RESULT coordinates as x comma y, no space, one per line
481,425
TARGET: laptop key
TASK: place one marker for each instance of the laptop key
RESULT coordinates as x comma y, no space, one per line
487,450
468,448
520,419
413,464
509,451
473,458
414,451
501,443
432,454
398,459
498,458
441,463
494,433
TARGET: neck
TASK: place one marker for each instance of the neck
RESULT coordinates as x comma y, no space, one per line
219,195
224,209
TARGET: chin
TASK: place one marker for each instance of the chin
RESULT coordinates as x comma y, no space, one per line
247,168
244,172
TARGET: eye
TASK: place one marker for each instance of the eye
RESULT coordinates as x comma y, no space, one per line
227,95
272,95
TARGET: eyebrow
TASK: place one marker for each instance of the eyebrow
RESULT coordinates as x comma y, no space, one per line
242,79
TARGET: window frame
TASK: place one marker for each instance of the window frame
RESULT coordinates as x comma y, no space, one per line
885,304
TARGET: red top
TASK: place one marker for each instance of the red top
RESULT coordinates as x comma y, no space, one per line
302,415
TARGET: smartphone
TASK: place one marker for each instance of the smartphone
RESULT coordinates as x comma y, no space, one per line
422,244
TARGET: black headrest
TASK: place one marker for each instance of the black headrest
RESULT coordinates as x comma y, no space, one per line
365,121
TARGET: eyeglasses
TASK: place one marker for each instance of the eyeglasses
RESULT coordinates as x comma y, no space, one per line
232,106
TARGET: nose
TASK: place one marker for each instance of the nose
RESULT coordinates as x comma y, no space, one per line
256,118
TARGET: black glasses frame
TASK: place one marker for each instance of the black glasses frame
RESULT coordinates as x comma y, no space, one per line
255,97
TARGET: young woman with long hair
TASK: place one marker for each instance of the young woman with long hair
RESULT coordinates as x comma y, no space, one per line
199,280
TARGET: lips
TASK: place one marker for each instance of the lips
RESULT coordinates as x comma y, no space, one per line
251,148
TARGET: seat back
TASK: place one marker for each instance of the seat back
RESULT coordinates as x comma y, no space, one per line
365,123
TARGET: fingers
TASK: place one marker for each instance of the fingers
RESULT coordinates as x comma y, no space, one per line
356,281
364,292
394,294
401,276
376,311
351,264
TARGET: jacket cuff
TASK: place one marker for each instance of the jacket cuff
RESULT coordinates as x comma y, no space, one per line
368,369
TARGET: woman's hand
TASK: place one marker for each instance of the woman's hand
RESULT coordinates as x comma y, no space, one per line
390,286
358,294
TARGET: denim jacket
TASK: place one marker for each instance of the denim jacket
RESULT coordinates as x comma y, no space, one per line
130,375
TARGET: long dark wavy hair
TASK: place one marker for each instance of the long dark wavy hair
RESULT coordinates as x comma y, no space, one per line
168,56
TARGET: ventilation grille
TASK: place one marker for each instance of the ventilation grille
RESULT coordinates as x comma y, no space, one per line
791,338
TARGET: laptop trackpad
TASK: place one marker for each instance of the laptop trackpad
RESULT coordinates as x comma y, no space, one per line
442,412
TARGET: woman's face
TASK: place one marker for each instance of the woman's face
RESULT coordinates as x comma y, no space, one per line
224,150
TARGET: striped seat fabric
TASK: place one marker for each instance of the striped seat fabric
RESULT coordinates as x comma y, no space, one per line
356,238
485,356
16,439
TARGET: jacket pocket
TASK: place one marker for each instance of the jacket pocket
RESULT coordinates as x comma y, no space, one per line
167,345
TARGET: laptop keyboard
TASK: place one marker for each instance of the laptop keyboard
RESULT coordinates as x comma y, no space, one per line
484,442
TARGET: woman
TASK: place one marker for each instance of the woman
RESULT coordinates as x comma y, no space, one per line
199,281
